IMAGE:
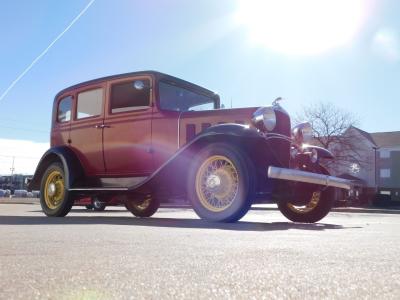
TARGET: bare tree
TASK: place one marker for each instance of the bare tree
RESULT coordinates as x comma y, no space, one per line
334,129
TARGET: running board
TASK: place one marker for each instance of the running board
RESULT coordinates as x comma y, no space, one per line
309,177
100,189
120,184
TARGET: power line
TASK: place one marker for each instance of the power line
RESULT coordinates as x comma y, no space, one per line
45,51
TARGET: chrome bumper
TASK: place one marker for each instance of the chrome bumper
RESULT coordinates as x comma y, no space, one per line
308,177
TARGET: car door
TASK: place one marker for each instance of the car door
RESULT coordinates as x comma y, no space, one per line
86,135
127,127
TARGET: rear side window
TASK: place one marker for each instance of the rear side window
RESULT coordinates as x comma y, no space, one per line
130,95
90,103
64,109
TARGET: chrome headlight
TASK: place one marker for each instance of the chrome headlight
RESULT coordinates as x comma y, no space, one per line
302,133
264,118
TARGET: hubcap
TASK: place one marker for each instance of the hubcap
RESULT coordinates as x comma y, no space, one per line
54,189
213,181
97,203
217,183
51,189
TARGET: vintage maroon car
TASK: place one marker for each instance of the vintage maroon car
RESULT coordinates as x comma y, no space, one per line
146,137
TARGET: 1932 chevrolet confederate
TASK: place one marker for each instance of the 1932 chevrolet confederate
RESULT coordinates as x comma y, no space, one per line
146,137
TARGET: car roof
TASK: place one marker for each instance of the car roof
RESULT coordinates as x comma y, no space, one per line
156,74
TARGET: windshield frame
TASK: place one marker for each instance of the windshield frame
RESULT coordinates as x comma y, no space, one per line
189,87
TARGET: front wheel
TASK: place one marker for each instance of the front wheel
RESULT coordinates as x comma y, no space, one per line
55,199
221,183
144,208
315,208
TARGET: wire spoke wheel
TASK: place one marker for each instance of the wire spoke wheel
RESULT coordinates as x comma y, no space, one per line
319,204
220,183
144,204
311,205
217,183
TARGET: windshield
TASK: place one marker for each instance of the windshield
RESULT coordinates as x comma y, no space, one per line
180,99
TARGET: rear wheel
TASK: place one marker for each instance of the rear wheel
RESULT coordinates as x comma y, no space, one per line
54,197
143,208
220,183
97,205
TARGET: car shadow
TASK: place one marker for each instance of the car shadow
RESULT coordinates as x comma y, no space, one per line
166,223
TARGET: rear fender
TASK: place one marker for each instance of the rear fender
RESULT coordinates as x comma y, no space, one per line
71,165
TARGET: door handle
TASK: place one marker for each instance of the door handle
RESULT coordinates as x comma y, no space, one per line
101,126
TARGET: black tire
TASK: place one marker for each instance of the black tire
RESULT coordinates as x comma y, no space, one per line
90,207
55,199
220,184
145,208
97,205
311,212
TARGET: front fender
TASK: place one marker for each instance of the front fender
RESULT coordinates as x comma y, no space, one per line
71,165
241,137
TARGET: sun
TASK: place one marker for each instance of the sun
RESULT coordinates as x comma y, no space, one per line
302,27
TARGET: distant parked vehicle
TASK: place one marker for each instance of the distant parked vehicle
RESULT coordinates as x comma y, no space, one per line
2,193
21,193
36,194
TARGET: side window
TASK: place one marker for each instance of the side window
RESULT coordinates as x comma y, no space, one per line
64,109
89,103
130,95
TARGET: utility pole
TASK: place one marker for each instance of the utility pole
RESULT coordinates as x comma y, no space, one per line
12,167
12,172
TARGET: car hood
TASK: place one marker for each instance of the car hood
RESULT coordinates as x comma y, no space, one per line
192,123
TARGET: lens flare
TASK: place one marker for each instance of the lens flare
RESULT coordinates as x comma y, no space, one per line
302,27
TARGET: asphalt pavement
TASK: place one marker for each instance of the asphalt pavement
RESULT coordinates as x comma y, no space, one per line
175,255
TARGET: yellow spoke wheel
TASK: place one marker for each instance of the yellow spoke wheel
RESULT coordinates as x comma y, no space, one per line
55,199
220,184
144,205
317,207
54,189
315,198
217,183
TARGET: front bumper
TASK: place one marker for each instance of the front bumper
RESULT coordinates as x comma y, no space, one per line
308,177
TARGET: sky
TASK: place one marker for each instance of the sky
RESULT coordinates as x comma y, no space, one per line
250,52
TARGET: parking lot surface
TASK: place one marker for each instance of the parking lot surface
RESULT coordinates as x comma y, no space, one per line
175,255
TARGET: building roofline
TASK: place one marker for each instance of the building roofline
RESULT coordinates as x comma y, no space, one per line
364,134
